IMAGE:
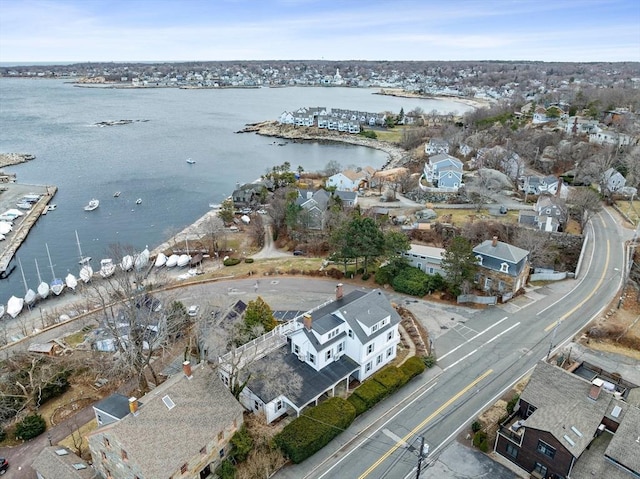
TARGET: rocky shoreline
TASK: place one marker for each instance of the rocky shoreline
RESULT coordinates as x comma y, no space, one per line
397,155
8,159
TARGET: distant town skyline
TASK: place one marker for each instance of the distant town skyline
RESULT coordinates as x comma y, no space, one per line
55,31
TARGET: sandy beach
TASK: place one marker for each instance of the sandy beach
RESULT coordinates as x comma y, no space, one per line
473,102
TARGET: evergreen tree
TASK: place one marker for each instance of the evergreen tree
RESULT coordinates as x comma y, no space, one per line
459,264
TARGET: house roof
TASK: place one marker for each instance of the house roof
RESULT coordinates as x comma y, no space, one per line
445,157
368,310
502,251
564,407
313,383
203,406
624,448
115,405
57,462
428,251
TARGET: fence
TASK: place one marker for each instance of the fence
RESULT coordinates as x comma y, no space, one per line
548,276
472,298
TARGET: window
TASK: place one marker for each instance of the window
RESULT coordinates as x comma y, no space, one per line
221,453
296,349
350,333
370,348
106,442
328,355
389,352
220,436
104,455
504,268
183,469
479,258
99,419
378,359
367,368
540,469
124,454
546,449
278,405
203,450
312,358
389,335
512,450
341,346
256,406
374,328
530,410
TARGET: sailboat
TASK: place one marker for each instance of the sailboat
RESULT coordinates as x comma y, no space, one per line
127,263
107,267
43,287
184,259
142,259
71,281
30,295
14,306
86,271
161,260
57,286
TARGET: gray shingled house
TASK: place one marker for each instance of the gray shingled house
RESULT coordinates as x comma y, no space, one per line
180,429
501,267
57,462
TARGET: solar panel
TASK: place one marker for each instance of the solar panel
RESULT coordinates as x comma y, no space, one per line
168,402
616,411
569,440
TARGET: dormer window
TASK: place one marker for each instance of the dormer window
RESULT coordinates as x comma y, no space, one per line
479,258
374,328
504,268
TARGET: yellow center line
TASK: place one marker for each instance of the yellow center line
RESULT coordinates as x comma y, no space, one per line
579,305
405,439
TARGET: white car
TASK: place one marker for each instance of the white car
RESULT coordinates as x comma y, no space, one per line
193,310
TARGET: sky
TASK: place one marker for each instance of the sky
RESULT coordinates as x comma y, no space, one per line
424,30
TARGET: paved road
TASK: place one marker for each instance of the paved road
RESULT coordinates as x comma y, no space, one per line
479,358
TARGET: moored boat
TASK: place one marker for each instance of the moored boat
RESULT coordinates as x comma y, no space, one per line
14,306
190,161
107,268
57,285
142,260
116,194
138,201
93,204
172,260
43,287
161,260
30,295
86,271
71,281
2,310
183,260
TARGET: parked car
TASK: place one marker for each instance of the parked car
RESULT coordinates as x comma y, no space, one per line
193,310
4,465
298,253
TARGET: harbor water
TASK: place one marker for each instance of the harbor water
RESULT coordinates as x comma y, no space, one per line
146,159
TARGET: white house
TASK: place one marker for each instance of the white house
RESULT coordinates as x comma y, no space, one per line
425,258
348,338
349,180
614,179
603,136
436,146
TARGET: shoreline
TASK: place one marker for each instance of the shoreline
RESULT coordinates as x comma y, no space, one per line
8,159
398,92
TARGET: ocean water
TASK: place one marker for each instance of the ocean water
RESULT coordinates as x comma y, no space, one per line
146,159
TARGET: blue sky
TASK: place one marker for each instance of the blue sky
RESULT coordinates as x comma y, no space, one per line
169,30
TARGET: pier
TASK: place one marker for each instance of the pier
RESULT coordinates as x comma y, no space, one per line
9,195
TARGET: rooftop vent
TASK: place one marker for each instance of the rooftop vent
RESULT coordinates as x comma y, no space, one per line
569,440
62,452
575,429
168,402
78,466
616,411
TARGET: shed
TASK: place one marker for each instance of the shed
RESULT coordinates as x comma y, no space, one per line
50,348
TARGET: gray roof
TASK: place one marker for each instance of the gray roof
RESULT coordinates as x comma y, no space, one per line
369,310
51,465
502,251
624,448
203,406
314,382
115,405
563,406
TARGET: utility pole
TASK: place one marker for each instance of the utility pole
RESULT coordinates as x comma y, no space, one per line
421,454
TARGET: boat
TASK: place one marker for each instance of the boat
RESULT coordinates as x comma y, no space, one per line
142,259
14,306
71,281
172,260
116,194
107,268
57,285
127,263
43,287
93,204
161,260
2,310
215,206
30,295
190,161
51,207
24,205
86,271
183,260
138,201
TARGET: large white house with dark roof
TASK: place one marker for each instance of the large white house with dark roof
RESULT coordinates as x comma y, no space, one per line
346,339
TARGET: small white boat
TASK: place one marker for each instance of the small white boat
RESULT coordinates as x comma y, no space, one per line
43,287
172,260
57,285
23,205
5,227
71,281
215,206
2,310
190,161
127,263
161,260
51,207
86,271
14,306
138,201
2,237
142,260
93,204
116,194
183,260
107,268
30,295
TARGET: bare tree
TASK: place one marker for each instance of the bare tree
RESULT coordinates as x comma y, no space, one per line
584,203
537,243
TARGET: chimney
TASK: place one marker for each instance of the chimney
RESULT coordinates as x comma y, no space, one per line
133,405
596,387
559,190
307,320
494,241
186,368
339,291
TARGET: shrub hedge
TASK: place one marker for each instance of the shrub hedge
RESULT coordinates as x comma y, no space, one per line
357,403
371,392
30,427
391,378
248,260
480,441
309,433
412,367
231,261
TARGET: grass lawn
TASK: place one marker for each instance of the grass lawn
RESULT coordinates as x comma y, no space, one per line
631,209
461,216
391,136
